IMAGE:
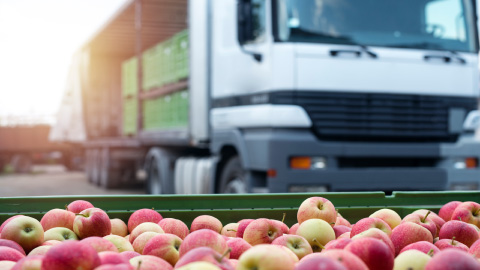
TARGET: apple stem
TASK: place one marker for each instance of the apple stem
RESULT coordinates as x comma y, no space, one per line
283,219
430,252
424,218
476,212
139,265
66,207
231,230
453,239
82,215
224,254
322,247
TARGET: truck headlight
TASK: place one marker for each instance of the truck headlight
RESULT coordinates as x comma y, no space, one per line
472,121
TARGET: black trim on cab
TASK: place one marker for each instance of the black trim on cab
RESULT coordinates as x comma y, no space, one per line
348,116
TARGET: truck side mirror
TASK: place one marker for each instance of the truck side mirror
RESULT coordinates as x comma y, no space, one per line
245,25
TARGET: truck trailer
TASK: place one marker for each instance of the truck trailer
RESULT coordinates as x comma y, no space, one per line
238,96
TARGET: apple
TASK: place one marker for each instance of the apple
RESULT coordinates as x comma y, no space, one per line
148,262
60,234
129,254
11,244
119,227
164,246
338,243
317,208
110,257
230,230
233,262
203,238
434,217
423,221
346,258
10,254
408,233
100,244
7,265
199,266
142,240
266,257
141,216
51,243
423,246
119,242
71,255
468,212
344,235
319,263
261,231
342,221
41,250
205,254
373,252
78,206
297,244
389,216
475,249
341,229
238,246
450,243
57,218
447,210
174,226
281,224
317,232
123,266
92,222
8,220
378,234
450,259
411,260
29,263
26,231
293,229
368,223
206,222
462,231
145,227
242,225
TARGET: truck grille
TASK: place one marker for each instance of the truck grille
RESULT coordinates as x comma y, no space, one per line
378,117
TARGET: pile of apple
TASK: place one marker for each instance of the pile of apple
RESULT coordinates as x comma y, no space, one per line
83,237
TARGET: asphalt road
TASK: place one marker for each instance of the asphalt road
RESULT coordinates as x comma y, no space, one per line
53,181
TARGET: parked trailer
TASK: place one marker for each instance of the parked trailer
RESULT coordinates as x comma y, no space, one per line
233,96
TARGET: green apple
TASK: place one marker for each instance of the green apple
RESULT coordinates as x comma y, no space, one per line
411,260
266,257
60,234
318,233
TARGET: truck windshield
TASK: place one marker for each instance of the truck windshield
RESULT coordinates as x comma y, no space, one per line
420,24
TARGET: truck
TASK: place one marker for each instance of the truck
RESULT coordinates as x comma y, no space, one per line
253,96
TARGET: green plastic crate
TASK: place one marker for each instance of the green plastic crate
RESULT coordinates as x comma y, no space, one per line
181,51
129,77
130,113
168,62
150,69
232,208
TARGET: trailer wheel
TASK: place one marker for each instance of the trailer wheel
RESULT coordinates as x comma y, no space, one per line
154,181
22,163
233,178
109,178
95,166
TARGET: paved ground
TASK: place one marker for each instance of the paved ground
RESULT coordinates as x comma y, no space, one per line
53,180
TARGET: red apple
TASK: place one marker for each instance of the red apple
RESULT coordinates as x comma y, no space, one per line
147,262
266,257
468,212
141,241
297,244
341,229
129,254
78,206
6,221
230,230
10,254
423,221
447,210
203,238
92,222
99,244
389,216
434,217
57,218
164,246
51,243
242,225
342,221
123,266
205,254
373,252
408,233
71,255
145,227
378,234
7,265
238,246
452,259
174,226
422,246
450,243
348,259
233,262
475,249
119,227
29,263
368,223
206,222
141,216
462,231
41,250
344,235
338,243
319,263
281,224
11,244
119,242
26,231
317,207
110,257
293,229
261,231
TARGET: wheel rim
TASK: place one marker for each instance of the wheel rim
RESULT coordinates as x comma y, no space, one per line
155,185
236,185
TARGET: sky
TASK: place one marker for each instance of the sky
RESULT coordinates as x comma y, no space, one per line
37,42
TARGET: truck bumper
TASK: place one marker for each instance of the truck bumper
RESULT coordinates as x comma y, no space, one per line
271,150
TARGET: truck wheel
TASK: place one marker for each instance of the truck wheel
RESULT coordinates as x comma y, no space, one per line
154,181
233,178
95,166
22,163
109,178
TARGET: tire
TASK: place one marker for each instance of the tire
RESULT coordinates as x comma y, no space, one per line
95,166
22,163
109,178
234,177
154,181
160,179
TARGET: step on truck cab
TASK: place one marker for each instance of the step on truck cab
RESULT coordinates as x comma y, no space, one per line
285,96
